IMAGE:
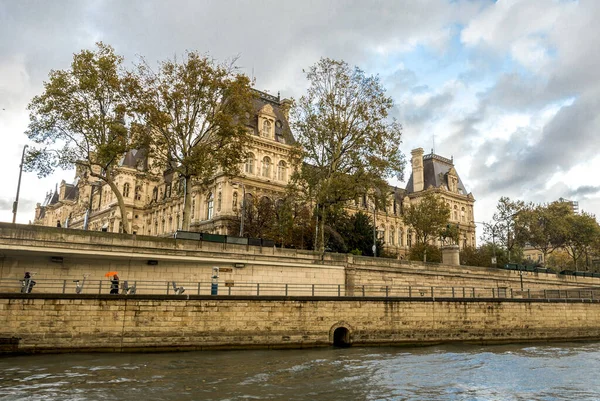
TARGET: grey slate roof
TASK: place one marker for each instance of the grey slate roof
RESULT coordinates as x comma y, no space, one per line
284,131
135,158
435,170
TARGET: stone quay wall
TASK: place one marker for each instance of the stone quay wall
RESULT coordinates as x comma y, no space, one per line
66,254
69,323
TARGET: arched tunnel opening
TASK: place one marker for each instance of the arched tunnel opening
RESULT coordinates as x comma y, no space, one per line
341,337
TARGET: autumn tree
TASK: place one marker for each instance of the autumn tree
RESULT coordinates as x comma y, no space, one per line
546,226
510,231
80,120
427,217
583,232
349,142
194,110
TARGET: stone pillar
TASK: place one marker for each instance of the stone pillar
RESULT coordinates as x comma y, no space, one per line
417,169
450,255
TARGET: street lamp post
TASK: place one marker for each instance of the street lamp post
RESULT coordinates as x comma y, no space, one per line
493,229
16,203
243,207
374,232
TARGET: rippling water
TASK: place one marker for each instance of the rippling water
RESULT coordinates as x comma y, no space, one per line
516,372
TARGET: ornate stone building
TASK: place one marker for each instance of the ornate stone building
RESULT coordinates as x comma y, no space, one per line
154,200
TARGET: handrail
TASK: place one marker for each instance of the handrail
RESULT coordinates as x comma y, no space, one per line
146,287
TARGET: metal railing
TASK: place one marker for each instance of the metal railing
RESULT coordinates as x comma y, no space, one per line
139,287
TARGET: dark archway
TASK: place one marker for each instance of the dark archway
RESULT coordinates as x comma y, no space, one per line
341,337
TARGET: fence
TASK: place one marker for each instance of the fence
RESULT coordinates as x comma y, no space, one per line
54,286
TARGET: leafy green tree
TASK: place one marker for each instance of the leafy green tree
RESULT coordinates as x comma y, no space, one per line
352,233
583,232
348,140
546,226
194,111
428,217
80,120
482,255
425,252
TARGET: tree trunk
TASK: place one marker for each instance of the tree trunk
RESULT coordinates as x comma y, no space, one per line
322,233
187,204
120,201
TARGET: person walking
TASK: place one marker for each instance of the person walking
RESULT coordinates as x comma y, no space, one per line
28,283
114,285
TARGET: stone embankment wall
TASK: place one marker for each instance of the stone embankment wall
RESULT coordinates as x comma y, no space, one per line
65,254
47,323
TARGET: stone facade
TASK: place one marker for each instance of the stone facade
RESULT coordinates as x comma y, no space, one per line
154,200
38,323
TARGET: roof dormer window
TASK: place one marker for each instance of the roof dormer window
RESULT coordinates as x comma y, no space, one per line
267,128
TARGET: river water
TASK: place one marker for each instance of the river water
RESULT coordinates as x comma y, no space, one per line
565,371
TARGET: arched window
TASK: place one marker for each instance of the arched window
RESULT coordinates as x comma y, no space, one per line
392,233
266,167
234,202
155,194
462,214
126,190
219,199
455,212
250,164
209,206
266,129
265,203
281,171
409,239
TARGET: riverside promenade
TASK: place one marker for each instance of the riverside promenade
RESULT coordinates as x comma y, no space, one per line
265,297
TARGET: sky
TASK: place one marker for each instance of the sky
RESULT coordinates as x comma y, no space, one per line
509,89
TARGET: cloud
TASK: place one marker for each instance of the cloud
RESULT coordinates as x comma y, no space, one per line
509,88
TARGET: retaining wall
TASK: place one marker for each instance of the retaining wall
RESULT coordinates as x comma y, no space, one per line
51,323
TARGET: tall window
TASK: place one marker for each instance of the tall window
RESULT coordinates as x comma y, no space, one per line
209,206
250,164
266,167
155,194
281,170
234,202
409,238
455,212
392,231
266,129
462,214
138,193
400,238
126,190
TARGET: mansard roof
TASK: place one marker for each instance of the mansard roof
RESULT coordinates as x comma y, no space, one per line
135,158
435,174
283,133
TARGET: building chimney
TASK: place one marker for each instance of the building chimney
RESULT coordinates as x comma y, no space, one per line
286,105
63,190
417,169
